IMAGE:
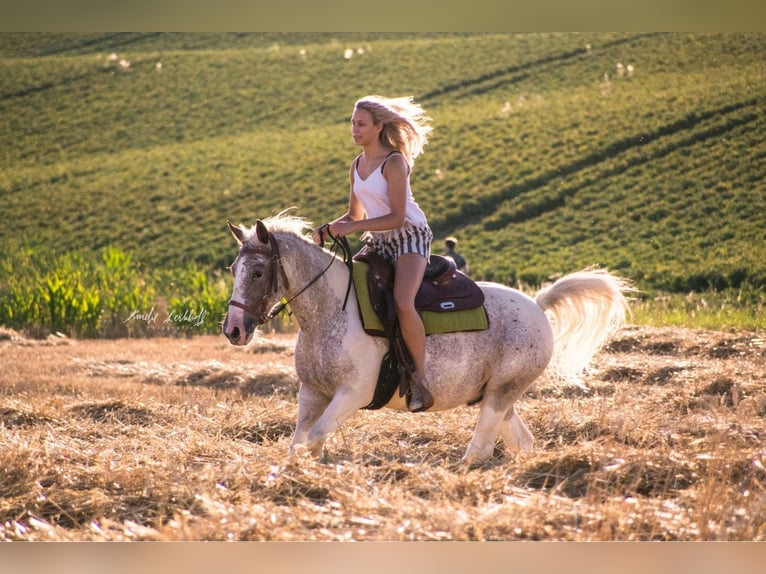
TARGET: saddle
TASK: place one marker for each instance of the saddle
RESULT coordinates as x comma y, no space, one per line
444,290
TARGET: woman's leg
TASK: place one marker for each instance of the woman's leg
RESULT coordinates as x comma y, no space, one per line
410,268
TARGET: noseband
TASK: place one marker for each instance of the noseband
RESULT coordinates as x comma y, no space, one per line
258,309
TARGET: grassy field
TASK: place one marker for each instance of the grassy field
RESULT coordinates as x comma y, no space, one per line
551,152
186,439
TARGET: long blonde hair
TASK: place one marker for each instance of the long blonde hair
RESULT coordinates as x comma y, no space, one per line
405,124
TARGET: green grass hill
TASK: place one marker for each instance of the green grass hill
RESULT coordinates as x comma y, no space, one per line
644,153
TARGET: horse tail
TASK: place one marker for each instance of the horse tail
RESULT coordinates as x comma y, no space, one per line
585,309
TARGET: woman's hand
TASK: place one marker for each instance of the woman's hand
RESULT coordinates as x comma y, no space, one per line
334,229
321,233
341,228
337,228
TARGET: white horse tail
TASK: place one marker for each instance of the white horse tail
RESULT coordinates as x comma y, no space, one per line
585,309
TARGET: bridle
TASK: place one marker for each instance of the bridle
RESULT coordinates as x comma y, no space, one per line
258,309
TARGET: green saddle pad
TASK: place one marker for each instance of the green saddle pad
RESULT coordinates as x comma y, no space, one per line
435,323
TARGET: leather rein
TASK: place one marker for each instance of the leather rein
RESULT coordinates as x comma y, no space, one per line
339,243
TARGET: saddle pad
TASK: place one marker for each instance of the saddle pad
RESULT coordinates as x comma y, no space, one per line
435,323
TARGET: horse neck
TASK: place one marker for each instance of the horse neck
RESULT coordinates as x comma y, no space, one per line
303,262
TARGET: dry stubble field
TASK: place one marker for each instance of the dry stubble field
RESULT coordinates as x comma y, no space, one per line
186,439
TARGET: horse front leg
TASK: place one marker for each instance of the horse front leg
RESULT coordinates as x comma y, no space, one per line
342,406
310,408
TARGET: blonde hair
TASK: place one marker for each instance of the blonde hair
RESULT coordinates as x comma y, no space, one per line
405,124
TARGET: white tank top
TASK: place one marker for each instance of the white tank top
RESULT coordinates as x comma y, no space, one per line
372,193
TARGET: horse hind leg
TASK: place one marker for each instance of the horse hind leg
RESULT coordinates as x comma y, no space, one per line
482,444
515,433
508,425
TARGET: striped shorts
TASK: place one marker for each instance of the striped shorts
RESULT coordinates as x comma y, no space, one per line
408,239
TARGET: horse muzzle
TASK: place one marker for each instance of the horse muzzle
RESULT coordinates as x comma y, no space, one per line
239,326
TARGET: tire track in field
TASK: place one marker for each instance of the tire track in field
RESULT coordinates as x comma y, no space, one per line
103,42
504,76
28,91
72,81
108,41
684,129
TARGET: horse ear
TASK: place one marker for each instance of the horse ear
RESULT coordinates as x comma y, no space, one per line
261,232
237,232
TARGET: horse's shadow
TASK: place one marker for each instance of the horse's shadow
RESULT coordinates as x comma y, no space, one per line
392,462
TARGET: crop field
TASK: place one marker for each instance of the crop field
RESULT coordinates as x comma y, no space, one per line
643,153
187,438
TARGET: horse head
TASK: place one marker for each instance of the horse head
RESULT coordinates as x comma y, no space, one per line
259,281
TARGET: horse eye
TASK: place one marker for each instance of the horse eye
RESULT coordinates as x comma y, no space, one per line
257,274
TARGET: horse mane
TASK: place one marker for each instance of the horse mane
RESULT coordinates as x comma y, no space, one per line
283,224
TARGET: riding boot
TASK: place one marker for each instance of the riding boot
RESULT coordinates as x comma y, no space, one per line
420,397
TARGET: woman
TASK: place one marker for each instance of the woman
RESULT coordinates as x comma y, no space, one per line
392,133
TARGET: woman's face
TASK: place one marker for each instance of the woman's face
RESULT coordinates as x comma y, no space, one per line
363,129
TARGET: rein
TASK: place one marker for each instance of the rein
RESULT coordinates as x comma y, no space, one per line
339,243
347,258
